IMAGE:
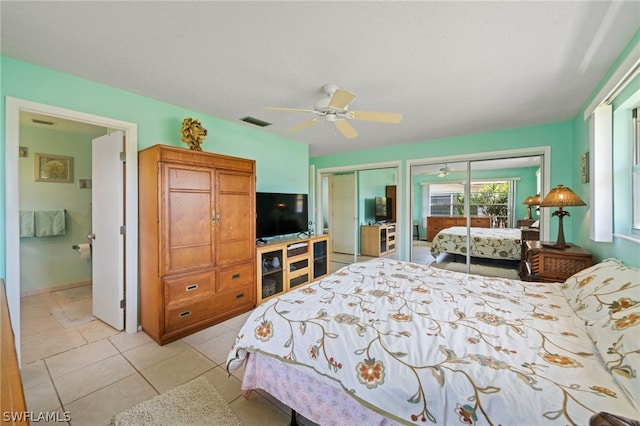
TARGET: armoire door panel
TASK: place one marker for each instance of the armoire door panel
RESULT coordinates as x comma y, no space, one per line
189,179
188,237
236,207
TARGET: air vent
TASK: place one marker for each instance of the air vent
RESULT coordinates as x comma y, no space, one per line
48,123
255,121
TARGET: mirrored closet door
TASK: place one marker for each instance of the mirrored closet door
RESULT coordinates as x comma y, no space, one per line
470,216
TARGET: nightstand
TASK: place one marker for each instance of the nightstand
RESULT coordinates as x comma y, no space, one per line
548,264
526,234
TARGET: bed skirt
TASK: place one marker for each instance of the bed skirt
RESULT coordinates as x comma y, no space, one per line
317,401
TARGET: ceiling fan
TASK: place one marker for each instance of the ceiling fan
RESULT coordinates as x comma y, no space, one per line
334,108
444,171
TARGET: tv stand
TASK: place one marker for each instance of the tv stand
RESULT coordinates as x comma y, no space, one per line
288,263
378,240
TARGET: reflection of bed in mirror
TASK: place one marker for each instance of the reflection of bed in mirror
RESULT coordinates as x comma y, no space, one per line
488,243
390,342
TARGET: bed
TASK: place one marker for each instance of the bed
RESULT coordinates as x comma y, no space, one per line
489,243
391,342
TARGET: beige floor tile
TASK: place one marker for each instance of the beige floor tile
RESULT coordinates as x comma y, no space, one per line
237,322
91,378
51,345
98,408
217,349
207,334
256,410
34,330
177,370
228,386
151,353
125,341
83,356
96,330
42,397
34,374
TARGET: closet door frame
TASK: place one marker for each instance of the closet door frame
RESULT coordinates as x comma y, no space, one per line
542,151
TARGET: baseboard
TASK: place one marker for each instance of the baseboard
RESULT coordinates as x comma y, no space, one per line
55,288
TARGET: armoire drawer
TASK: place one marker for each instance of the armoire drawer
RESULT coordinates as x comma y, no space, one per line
184,315
234,277
180,288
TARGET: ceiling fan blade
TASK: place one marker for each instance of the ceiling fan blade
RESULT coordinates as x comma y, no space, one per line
303,125
340,99
346,129
382,117
288,109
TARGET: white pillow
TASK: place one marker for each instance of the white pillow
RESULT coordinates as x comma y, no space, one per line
595,292
617,338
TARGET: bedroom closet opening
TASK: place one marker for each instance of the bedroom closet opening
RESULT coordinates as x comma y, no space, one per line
470,214
346,210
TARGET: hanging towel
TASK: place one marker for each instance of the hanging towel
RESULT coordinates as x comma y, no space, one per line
49,223
27,224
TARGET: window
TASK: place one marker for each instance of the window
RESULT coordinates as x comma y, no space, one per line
491,199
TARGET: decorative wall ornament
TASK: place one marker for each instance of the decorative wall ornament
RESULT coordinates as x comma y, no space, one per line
193,134
585,167
53,168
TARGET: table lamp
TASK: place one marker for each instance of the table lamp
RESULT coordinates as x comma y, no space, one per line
530,201
560,197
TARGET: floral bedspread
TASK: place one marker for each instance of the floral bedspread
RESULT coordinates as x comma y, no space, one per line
418,344
490,243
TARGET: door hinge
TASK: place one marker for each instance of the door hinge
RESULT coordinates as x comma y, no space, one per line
122,304
123,230
123,156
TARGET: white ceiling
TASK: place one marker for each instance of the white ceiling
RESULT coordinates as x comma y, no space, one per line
450,68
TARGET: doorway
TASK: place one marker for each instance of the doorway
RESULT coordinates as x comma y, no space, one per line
371,181
14,107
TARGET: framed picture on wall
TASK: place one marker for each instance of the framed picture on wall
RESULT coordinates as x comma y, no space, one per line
585,167
53,168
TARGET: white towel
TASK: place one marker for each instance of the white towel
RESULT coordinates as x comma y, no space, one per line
49,223
27,224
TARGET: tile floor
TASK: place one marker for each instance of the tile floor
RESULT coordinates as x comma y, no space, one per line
93,371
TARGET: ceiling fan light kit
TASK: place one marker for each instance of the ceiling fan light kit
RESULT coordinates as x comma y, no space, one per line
335,109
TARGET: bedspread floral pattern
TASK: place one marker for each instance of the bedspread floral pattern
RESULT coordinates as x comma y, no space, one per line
419,344
490,243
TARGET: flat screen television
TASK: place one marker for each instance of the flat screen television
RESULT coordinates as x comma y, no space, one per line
281,214
382,208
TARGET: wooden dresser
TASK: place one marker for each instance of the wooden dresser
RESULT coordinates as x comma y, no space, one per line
437,223
197,240
12,403
548,264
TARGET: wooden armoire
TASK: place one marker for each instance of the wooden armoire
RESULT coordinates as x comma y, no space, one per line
197,240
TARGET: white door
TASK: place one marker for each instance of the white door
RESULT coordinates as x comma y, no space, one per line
343,213
107,207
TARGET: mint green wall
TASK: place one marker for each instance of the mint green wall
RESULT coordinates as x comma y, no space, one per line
524,187
625,249
282,164
558,136
50,261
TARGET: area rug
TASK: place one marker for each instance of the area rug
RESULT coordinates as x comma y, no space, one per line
484,270
197,402
73,314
